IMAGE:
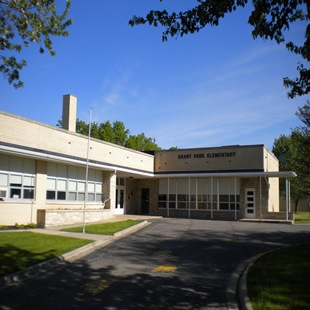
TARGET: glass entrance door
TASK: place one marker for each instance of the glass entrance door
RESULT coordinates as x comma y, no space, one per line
250,202
119,196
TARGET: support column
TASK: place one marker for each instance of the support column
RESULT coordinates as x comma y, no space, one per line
260,198
168,194
288,198
211,198
40,191
109,189
235,198
189,197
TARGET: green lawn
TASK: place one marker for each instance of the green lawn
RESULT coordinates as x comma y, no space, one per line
105,228
281,279
302,218
19,250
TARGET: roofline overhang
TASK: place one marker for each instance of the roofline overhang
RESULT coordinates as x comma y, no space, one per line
76,161
115,168
267,174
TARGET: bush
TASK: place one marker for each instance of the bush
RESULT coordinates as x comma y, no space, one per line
19,226
31,225
22,226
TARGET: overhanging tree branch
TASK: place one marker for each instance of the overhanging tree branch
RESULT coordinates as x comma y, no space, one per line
270,20
24,22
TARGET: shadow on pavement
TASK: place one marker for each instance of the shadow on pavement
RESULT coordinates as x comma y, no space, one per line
125,274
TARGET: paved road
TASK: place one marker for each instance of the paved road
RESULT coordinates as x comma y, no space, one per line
170,264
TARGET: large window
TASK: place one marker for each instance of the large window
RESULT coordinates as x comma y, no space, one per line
227,198
199,193
17,177
68,183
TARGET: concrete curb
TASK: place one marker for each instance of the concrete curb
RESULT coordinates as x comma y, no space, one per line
243,297
131,229
17,278
232,289
242,289
88,248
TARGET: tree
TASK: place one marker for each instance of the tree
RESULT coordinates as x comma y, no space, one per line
141,143
23,22
301,136
106,132
117,134
270,20
304,115
293,153
81,127
286,152
120,134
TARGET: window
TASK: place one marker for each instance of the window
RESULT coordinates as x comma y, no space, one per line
182,201
220,194
68,183
172,201
19,187
227,198
162,201
56,188
2,193
212,202
17,177
193,201
50,195
234,204
202,201
224,202
227,202
120,181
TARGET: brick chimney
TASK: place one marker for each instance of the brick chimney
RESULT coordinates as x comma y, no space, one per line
69,113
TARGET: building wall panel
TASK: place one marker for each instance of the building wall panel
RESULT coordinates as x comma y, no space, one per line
29,134
234,158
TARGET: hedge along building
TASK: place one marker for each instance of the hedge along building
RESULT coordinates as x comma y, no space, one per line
43,177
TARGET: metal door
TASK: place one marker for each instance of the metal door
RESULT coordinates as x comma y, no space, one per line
145,200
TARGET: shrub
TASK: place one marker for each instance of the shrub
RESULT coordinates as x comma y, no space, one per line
19,226
31,225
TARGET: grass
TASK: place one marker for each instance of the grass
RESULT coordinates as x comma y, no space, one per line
302,218
281,280
19,250
105,228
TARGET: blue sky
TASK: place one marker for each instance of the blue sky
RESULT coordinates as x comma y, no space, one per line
217,87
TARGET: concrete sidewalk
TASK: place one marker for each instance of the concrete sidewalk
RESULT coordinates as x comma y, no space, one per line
57,230
115,218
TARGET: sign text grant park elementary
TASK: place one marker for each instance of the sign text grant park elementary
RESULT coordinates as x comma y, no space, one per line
206,155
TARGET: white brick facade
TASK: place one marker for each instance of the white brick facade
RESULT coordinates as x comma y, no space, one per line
204,183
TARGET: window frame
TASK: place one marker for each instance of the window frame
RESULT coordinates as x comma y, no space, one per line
205,194
77,190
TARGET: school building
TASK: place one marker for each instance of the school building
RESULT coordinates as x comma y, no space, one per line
55,176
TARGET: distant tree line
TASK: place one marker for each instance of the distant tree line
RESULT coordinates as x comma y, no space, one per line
116,133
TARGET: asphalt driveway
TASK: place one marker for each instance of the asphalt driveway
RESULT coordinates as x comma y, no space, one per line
170,264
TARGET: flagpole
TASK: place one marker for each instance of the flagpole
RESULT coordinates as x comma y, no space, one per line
86,174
